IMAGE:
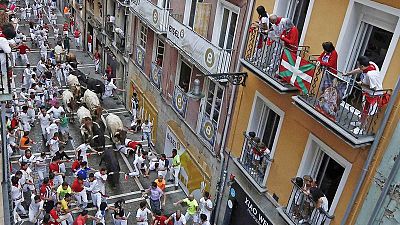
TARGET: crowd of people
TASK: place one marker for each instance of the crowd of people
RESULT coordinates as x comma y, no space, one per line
40,187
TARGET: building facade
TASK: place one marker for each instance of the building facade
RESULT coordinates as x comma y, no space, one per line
308,125
161,50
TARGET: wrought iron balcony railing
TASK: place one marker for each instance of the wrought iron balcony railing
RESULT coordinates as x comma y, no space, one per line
344,103
265,55
303,209
255,159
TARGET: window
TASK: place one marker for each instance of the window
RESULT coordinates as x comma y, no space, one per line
185,72
327,168
228,28
142,35
213,103
159,52
297,12
163,4
190,11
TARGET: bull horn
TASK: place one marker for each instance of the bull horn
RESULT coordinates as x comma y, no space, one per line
95,136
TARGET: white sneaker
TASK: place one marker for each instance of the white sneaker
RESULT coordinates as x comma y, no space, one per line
358,130
355,123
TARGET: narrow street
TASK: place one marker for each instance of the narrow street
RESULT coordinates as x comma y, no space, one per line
130,189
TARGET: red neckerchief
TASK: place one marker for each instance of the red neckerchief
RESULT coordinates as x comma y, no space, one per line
370,67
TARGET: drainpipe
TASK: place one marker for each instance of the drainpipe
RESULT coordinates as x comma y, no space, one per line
224,169
371,155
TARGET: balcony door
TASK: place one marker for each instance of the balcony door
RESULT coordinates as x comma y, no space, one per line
327,168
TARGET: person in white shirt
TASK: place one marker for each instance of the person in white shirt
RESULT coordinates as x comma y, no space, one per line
11,141
54,144
56,31
110,87
204,220
206,205
17,196
177,218
43,50
52,129
142,214
53,18
44,120
41,165
27,158
27,75
28,11
25,119
95,189
140,165
26,180
36,211
23,13
56,111
101,177
82,150
146,130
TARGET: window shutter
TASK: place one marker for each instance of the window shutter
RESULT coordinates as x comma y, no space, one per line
202,18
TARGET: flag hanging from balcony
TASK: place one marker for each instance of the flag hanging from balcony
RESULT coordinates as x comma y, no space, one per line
296,71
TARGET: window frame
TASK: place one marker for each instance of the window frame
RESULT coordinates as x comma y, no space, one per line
178,72
258,96
305,166
139,35
157,40
205,101
187,12
221,5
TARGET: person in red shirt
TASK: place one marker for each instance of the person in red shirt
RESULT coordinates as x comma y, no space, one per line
83,216
23,49
160,219
54,168
328,57
77,36
80,192
65,29
55,214
89,43
71,23
97,60
290,35
76,164
46,195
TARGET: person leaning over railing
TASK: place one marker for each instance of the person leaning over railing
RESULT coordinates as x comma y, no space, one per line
262,26
371,83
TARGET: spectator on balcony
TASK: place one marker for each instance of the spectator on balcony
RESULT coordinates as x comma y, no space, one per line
371,83
328,57
321,205
290,35
262,26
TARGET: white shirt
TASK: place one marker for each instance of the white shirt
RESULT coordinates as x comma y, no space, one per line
181,221
4,45
41,163
44,120
101,180
161,165
147,127
35,207
56,111
83,147
16,192
54,145
139,160
110,87
58,49
32,159
94,187
202,205
142,215
52,129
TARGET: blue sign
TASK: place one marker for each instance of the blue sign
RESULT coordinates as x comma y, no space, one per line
180,101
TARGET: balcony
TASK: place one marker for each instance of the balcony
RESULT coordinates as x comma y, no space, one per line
264,57
152,15
302,208
350,111
209,58
124,3
254,160
110,30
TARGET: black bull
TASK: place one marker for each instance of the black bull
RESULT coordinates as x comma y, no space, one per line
98,140
109,157
97,86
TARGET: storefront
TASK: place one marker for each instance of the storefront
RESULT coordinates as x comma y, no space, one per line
241,209
195,173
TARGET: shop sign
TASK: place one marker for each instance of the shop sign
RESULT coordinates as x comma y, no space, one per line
179,101
244,209
152,14
140,55
208,130
155,75
200,49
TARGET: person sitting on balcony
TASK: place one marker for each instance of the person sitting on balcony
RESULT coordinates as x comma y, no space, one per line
371,83
321,205
262,26
290,35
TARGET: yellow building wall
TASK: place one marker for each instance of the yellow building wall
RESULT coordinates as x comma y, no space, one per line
296,128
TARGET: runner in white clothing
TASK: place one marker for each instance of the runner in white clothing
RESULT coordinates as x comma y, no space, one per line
36,211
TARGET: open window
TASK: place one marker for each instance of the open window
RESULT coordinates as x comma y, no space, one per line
184,75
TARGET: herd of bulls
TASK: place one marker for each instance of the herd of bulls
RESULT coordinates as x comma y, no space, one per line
83,99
